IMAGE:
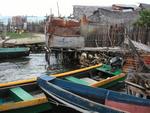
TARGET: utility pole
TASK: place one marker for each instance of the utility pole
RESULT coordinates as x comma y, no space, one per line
50,11
58,9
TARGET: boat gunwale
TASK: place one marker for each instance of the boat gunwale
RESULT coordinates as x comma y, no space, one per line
108,80
14,50
22,104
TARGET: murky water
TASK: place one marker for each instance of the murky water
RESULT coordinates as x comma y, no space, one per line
24,68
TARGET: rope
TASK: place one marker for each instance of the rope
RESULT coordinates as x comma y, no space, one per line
56,103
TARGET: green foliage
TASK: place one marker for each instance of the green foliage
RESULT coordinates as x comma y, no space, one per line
16,35
144,19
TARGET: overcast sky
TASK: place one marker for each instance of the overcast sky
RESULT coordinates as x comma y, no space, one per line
42,7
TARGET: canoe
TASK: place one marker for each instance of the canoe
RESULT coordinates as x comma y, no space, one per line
112,78
99,95
24,98
7,53
72,100
31,80
101,76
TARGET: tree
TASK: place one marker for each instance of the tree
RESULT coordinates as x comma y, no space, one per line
144,19
144,23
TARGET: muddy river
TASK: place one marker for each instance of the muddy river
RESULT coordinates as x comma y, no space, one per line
27,67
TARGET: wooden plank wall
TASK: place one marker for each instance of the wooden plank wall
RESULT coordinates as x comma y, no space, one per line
112,35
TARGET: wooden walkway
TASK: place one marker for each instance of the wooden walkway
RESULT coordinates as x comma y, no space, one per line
102,49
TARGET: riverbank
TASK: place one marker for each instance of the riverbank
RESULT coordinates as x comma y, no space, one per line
35,41
34,38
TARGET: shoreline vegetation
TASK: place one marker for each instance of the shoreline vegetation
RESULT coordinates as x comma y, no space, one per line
25,38
13,35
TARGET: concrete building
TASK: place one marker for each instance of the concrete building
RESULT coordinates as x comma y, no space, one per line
105,15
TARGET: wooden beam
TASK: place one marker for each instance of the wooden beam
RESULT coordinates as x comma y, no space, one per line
106,81
17,82
20,94
135,85
76,71
76,80
21,104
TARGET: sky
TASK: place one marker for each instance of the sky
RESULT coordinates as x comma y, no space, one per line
43,7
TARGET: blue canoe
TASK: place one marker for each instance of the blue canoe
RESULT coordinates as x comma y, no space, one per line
75,94
7,53
72,100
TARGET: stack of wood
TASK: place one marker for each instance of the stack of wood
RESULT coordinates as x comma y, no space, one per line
138,84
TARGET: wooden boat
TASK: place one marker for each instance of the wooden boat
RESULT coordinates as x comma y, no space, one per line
59,88
101,76
72,100
31,80
24,98
82,76
13,52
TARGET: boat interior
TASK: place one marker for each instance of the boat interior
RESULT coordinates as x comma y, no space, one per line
92,76
20,93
